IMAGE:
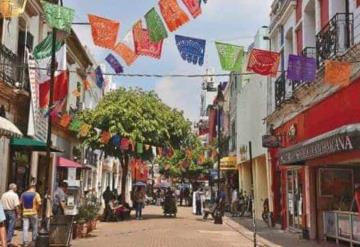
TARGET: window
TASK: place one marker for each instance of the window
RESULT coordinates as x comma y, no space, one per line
282,35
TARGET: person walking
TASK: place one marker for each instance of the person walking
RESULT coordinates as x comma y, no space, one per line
139,198
107,196
11,203
3,240
198,195
59,202
30,201
234,202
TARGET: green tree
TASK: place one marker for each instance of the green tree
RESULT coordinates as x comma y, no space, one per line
186,163
138,115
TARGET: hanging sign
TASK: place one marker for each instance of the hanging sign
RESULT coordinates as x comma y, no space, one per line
337,73
104,31
301,68
194,7
38,124
155,26
58,17
143,44
173,15
270,141
264,62
191,50
114,63
12,8
126,53
231,56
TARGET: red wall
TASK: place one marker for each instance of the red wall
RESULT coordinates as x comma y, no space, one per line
324,12
341,108
299,40
298,10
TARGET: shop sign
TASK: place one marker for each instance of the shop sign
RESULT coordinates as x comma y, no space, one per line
326,146
270,141
38,123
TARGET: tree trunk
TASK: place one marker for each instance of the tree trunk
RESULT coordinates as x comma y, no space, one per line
124,160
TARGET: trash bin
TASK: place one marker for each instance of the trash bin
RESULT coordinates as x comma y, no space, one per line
61,230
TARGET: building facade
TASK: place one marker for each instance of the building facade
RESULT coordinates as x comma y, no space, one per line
315,170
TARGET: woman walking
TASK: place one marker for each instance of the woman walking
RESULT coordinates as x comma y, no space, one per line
139,198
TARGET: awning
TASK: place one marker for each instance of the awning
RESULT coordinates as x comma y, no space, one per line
228,163
26,143
343,139
7,128
65,163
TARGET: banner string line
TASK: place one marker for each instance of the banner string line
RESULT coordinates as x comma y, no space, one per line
150,75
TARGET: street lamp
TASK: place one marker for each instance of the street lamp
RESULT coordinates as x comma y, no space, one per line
219,102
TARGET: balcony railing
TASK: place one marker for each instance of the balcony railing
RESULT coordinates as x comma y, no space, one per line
8,66
12,71
335,38
309,52
280,90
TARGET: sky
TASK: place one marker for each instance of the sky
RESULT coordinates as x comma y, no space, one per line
229,21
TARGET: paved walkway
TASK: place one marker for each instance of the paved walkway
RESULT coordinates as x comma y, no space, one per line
187,230
158,231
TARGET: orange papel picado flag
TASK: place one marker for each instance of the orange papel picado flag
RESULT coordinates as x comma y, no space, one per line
337,73
173,15
126,53
104,31
105,137
65,120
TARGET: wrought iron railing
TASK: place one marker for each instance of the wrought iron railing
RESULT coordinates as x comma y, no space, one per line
335,38
280,89
13,71
8,66
309,52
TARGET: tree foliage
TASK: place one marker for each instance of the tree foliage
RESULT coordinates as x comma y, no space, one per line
138,115
187,162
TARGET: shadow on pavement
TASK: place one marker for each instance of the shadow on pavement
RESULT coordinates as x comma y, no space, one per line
278,236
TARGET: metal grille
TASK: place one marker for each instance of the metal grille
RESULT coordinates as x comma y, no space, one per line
335,38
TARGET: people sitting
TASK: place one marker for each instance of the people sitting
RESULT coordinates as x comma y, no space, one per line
117,211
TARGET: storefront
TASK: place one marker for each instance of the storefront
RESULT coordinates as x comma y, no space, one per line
319,166
229,174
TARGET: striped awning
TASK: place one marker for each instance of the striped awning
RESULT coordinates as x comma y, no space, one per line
8,129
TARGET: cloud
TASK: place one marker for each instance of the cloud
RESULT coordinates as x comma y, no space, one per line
183,94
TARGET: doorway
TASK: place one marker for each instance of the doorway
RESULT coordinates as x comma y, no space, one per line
295,197
43,174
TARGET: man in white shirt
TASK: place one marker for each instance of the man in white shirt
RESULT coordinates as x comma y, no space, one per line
11,203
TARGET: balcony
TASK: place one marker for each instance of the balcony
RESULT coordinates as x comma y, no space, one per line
278,9
335,38
10,71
